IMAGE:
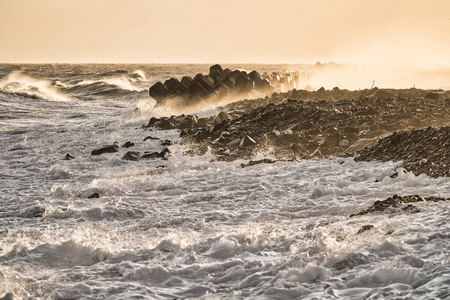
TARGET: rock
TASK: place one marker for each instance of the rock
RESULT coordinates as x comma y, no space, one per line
94,195
68,157
159,92
106,149
255,76
216,73
181,89
243,84
344,144
36,211
197,91
206,81
365,228
166,143
131,155
8,296
436,95
220,117
165,125
128,144
256,162
186,80
150,138
397,201
188,122
247,141
171,84
153,155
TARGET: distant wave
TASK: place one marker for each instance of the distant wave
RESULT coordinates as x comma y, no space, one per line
24,85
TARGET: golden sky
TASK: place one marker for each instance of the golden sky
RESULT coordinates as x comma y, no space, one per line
402,32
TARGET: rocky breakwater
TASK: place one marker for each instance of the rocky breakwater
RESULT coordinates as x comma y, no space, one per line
422,151
220,84
307,129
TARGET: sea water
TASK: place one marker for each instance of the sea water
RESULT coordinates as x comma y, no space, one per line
192,226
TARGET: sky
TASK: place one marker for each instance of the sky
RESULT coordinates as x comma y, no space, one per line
391,32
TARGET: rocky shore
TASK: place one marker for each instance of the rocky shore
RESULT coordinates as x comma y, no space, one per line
302,124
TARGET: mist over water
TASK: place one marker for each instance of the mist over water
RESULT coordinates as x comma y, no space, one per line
192,227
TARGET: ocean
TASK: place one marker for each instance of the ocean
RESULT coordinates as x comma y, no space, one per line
192,227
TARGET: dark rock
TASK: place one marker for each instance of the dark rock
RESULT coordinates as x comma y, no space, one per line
159,92
188,122
397,201
68,157
247,141
165,125
171,84
131,155
181,89
220,117
255,76
153,155
106,149
197,91
94,195
256,162
205,81
186,80
150,138
128,144
166,143
36,211
365,228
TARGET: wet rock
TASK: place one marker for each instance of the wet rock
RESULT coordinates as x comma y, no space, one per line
153,155
220,117
166,143
422,151
171,84
364,228
397,201
106,149
128,144
257,162
94,196
159,92
36,211
131,155
188,122
165,125
150,138
247,141
68,157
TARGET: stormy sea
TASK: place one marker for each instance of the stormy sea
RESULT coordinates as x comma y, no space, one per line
288,192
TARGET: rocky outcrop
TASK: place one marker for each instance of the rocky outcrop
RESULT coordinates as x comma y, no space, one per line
422,151
306,129
397,202
221,84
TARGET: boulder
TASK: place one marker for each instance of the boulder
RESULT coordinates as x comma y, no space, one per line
263,86
247,141
128,144
165,125
243,84
255,76
131,155
206,81
197,91
181,89
219,118
171,84
216,73
105,149
68,157
187,80
188,122
159,92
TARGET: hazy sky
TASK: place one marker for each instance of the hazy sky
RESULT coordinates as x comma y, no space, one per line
405,32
